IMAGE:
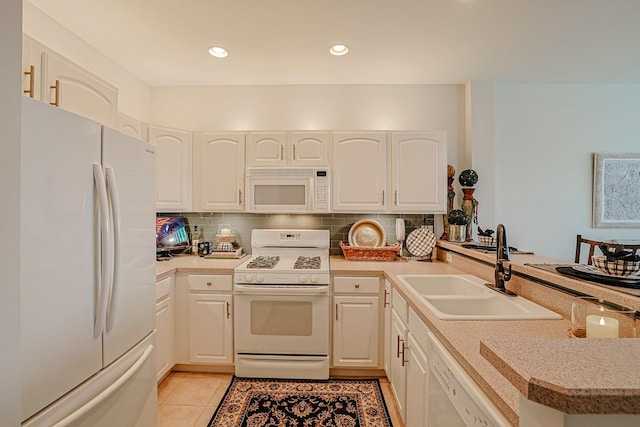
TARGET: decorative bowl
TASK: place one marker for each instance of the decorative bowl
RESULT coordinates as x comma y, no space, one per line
616,268
487,240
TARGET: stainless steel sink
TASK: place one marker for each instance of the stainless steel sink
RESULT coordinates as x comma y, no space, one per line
465,297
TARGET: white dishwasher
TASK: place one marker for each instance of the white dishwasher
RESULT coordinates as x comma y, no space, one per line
455,400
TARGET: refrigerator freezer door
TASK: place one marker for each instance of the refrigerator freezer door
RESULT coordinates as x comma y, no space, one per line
58,254
130,169
124,394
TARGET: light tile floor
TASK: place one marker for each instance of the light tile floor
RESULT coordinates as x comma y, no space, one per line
189,399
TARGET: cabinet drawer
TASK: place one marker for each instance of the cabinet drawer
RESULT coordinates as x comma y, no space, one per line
418,329
210,282
163,287
400,306
356,285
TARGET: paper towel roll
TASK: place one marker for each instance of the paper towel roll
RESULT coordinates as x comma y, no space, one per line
400,229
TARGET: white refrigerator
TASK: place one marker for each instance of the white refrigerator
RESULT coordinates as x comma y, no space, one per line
87,273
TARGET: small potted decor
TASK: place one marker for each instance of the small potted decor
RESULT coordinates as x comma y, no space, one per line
457,225
486,237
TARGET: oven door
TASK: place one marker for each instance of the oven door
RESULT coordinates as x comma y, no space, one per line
280,194
281,320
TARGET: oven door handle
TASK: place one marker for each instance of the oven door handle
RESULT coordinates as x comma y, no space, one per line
280,290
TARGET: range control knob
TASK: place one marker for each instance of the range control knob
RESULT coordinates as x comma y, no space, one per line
303,278
249,278
314,278
259,278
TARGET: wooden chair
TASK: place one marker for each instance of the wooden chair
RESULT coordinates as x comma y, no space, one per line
634,246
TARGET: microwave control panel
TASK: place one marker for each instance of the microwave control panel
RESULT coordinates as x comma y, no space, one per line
321,191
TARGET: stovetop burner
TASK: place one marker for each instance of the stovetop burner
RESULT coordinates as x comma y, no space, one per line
307,263
263,262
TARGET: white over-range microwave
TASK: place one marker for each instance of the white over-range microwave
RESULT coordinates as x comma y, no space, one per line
288,190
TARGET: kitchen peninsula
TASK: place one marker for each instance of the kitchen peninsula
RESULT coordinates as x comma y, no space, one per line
518,364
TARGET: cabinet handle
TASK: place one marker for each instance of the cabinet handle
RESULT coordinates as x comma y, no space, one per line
395,198
239,196
357,285
336,312
282,152
228,312
382,201
208,283
31,74
398,346
56,87
386,303
294,152
403,360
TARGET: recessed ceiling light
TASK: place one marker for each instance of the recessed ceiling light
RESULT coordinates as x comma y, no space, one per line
218,52
339,49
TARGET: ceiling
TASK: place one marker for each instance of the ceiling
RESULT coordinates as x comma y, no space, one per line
165,42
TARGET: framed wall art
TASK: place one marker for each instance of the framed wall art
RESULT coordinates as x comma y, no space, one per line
616,190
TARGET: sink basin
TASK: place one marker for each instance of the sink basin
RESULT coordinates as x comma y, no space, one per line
465,297
491,307
463,284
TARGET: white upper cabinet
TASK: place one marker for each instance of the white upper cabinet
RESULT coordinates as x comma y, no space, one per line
266,149
130,126
309,148
301,149
359,171
173,168
218,171
31,67
74,89
418,172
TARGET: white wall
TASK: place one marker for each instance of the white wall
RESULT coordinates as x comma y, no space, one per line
134,96
10,97
545,137
314,107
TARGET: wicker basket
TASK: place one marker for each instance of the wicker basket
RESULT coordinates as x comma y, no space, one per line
368,253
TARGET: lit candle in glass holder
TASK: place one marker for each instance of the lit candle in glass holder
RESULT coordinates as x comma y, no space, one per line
601,327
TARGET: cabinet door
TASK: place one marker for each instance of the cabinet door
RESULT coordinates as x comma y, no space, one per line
73,88
417,385
386,305
31,57
218,171
398,362
266,149
210,331
355,331
359,171
173,168
130,126
165,321
309,148
419,171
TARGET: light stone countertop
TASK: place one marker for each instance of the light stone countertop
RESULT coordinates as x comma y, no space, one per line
493,352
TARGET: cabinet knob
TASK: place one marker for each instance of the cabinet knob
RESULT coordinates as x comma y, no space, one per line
208,283
357,285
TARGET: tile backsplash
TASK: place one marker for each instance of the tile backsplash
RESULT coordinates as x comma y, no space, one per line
337,223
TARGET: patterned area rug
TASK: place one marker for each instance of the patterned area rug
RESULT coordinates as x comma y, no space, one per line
302,403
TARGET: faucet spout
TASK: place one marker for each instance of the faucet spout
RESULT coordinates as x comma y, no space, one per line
501,275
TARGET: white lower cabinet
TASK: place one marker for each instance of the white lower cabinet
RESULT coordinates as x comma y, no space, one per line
165,326
386,345
398,364
204,319
356,318
417,373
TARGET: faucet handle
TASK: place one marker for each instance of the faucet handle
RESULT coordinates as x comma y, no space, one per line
507,274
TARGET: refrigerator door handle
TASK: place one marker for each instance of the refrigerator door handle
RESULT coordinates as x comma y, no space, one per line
114,198
104,394
106,260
